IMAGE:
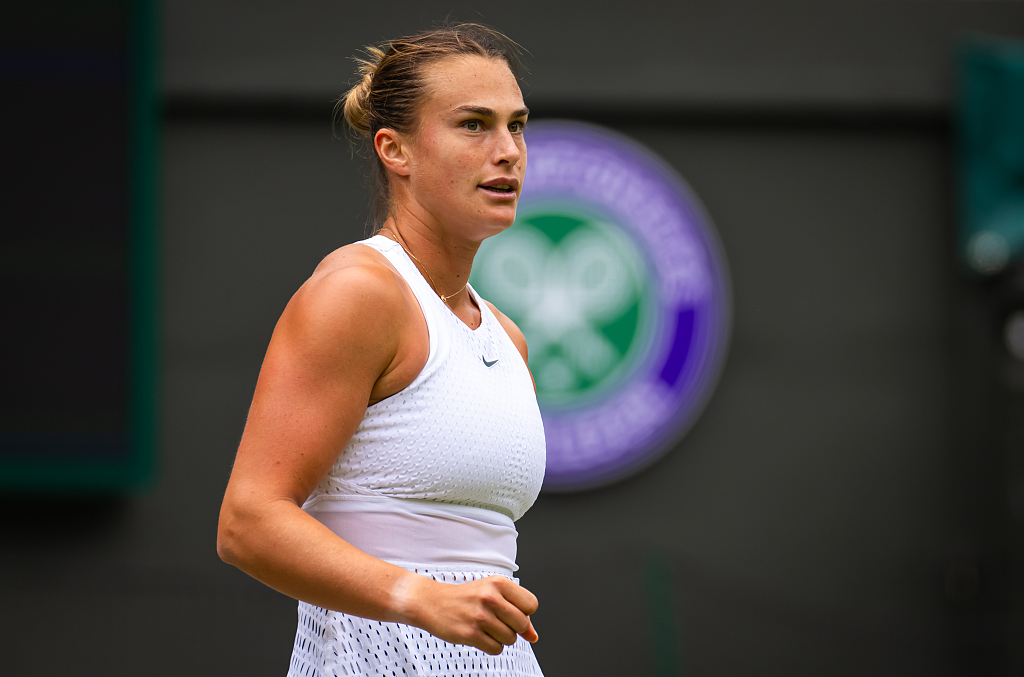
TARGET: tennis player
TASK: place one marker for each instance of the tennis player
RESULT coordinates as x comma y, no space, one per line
394,436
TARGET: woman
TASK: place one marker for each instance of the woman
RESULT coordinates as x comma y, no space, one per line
394,434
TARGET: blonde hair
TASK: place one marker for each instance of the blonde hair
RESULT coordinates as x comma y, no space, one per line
391,88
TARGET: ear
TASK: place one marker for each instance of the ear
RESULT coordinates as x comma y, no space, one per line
390,148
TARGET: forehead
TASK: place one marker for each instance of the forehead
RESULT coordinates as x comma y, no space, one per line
470,81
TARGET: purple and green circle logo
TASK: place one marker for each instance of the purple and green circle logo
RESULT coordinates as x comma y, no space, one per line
615,275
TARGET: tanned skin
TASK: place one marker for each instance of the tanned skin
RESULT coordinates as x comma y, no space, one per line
353,335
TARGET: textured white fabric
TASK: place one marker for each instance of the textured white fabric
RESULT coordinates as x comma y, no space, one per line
330,644
432,480
462,433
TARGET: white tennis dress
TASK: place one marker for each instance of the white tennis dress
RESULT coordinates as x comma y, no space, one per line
433,481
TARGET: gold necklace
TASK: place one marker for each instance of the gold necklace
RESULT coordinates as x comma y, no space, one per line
430,280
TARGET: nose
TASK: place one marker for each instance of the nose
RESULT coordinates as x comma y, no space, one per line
507,150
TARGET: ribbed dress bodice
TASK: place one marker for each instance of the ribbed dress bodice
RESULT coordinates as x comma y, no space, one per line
467,431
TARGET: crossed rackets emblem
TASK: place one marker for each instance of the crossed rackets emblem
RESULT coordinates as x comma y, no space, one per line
561,295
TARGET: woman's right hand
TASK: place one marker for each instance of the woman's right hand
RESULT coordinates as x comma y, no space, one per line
352,335
488,613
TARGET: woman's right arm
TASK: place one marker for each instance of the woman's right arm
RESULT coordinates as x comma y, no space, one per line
340,343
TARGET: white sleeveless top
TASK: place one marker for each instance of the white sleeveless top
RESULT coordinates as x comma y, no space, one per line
437,473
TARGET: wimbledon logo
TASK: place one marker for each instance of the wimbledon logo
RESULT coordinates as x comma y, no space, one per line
614,274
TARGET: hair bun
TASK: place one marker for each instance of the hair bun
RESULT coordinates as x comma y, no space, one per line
356,102
392,86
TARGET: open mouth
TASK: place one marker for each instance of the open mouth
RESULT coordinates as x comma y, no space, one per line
502,188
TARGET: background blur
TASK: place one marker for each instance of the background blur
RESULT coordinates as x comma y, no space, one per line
850,503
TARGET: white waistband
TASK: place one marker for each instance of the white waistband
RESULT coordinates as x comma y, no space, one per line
421,534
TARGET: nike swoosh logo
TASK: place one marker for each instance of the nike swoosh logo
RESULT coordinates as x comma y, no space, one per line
488,364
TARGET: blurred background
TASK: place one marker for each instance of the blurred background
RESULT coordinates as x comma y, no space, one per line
849,503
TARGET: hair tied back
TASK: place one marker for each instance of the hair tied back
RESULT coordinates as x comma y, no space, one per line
391,88
355,104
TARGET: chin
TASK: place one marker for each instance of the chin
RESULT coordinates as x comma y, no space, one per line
490,228
494,223
503,224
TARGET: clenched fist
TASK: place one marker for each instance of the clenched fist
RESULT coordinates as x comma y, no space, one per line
487,614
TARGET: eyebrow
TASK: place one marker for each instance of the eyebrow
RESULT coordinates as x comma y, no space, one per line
490,113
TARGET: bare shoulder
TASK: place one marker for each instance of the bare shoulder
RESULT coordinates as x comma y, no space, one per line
512,330
340,339
354,299
355,270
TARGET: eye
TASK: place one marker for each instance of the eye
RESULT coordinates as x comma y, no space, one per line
473,125
517,127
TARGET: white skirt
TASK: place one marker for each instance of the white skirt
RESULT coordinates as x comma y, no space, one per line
334,644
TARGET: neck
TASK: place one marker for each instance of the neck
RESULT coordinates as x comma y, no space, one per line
446,261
